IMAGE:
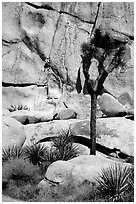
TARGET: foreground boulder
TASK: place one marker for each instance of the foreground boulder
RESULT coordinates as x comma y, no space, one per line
75,171
110,106
114,132
12,132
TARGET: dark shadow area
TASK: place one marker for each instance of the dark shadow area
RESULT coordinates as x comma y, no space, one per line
6,84
100,148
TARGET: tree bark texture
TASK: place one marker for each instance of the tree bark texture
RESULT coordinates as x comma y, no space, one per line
93,124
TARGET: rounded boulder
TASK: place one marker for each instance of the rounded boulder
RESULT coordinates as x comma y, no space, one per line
66,113
12,132
110,106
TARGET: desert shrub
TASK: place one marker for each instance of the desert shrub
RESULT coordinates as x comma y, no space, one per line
12,152
62,149
65,149
13,108
35,153
23,168
39,155
20,172
26,192
85,192
115,183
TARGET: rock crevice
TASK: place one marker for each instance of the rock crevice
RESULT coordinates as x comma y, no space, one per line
49,8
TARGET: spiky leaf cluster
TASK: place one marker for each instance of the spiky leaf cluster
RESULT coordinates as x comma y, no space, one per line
18,107
114,181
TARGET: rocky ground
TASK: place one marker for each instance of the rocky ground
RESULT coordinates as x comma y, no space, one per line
9,199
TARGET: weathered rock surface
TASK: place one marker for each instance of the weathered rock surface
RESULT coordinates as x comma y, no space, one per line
66,114
126,100
110,106
111,132
75,171
35,98
63,34
12,132
30,117
42,130
31,34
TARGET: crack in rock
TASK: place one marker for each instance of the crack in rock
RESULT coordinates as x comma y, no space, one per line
8,43
131,37
8,84
47,7
53,39
32,45
53,183
95,18
100,148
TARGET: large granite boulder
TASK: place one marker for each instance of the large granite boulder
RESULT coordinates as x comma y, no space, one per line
110,106
29,117
43,130
12,132
111,132
75,171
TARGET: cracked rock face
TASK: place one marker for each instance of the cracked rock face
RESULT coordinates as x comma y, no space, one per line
33,32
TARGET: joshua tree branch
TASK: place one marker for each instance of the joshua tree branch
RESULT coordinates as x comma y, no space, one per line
100,80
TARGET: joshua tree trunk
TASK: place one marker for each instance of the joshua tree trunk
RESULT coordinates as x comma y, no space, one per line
93,124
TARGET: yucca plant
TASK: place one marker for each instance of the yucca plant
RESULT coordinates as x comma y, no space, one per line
35,153
114,182
12,152
65,149
18,107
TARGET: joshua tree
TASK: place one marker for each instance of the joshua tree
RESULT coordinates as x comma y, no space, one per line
111,51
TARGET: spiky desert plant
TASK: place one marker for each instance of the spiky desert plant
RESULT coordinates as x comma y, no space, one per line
18,107
114,182
35,153
65,149
12,152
